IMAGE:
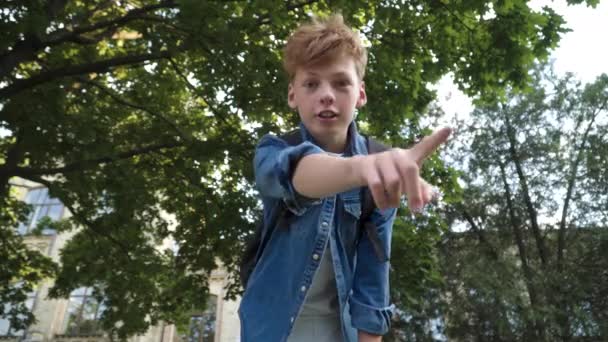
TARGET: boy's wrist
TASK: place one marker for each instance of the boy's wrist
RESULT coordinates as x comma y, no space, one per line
356,166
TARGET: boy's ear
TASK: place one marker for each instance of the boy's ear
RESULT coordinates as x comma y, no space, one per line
362,95
291,97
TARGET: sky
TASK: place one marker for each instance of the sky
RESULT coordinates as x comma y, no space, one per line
582,51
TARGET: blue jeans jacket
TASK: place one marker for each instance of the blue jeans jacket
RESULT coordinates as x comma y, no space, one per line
277,287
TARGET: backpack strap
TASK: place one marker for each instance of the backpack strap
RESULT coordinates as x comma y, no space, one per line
368,206
374,146
292,138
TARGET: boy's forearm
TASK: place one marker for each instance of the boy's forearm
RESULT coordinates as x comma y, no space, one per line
367,337
321,175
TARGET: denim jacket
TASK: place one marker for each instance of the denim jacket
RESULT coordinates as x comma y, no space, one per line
278,285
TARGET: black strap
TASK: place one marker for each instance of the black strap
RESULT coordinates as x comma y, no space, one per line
292,138
368,206
374,146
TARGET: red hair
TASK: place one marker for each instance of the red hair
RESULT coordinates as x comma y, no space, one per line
322,41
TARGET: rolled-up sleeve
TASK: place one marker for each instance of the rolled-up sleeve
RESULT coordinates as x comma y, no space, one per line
274,164
369,303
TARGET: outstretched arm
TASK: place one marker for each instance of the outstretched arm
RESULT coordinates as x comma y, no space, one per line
388,174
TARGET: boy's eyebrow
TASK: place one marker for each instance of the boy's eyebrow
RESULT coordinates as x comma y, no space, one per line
312,74
336,74
341,74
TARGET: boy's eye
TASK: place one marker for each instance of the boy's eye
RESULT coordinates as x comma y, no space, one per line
310,84
342,83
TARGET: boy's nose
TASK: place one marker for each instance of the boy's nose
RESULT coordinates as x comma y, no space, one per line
327,97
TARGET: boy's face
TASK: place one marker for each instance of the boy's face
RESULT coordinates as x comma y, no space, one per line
326,97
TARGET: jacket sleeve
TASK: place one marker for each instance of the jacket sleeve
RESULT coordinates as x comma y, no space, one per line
369,301
274,164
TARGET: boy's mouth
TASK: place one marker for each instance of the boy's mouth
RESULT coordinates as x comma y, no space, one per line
327,114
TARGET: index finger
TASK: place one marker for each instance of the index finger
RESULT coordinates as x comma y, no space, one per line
429,144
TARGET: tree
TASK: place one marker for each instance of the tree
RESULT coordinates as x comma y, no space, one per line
141,117
531,266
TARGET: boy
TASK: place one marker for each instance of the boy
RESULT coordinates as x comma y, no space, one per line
316,279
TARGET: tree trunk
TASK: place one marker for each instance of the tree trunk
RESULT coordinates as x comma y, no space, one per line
540,244
13,157
536,326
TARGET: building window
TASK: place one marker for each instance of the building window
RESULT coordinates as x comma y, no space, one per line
42,205
83,314
5,325
202,325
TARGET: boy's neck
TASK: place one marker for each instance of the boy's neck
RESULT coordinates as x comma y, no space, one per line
333,144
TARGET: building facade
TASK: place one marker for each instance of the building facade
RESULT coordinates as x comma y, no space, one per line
76,319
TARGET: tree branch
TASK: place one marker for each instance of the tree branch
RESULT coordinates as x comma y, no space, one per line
291,7
98,67
80,165
131,15
482,237
523,255
80,217
109,25
171,25
540,244
227,125
519,239
25,50
571,183
54,7
174,126
457,17
22,51
264,20
13,157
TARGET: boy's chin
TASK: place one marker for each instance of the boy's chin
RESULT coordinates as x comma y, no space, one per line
324,130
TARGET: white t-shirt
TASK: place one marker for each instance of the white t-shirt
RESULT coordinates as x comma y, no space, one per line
319,318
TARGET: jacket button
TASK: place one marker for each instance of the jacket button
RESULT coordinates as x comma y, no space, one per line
324,224
315,256
303,288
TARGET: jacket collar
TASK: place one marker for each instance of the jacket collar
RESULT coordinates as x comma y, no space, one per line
353,138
